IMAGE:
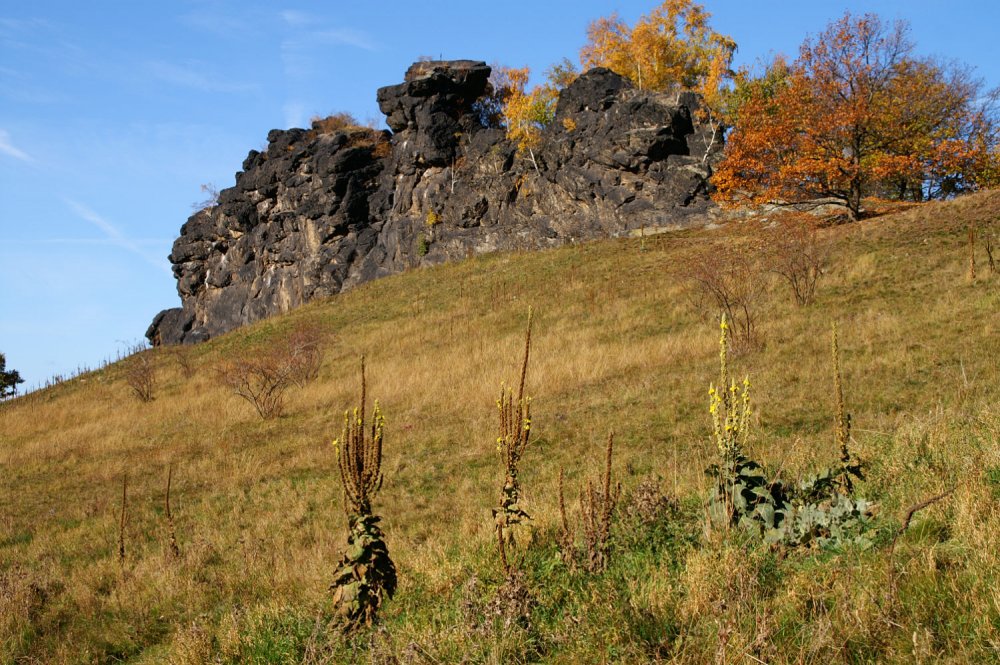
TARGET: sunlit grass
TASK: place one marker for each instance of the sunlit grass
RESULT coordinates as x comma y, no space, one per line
619,343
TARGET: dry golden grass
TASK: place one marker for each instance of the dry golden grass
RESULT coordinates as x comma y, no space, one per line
617,344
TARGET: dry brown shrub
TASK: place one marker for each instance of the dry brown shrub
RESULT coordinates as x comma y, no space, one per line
798,254
597,508
140,375
648,504
731,274
305,354
261,378
382,145
335,122
182,356
358,135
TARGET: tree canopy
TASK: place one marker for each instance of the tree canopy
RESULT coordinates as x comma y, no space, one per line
8,379
671,47
858,114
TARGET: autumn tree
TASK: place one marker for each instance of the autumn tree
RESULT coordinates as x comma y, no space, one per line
858,114
671,47
526,113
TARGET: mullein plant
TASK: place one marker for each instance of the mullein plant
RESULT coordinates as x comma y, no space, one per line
597,508
743,495
514,433
365,575
850,465
818,511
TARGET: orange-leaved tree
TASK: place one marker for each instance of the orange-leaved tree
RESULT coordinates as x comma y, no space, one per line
857,114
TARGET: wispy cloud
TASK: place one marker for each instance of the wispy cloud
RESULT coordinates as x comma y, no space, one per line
29,242
231,26
9,149
347,37
295,18
114,236
192,75
307,34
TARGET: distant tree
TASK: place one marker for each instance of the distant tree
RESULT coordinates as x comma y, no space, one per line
8,379
856,114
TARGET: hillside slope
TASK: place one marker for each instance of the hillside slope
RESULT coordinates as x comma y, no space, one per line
619,344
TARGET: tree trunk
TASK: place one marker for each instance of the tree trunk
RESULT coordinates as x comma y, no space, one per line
854,201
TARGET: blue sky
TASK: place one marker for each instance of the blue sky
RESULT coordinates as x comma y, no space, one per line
113,114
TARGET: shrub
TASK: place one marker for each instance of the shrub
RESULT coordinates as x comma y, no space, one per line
182,355
140,375
305,354
260,378
798,255
335,122
357,134
211,198
366,574
731,274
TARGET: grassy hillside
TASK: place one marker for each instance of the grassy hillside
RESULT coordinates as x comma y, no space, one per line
620,343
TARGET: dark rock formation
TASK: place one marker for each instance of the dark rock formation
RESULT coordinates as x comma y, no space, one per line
320,212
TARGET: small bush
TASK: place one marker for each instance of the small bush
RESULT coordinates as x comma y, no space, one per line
357,134
260,378
647,504
182,356
305,354
336,122
730,273
797,253
140,375
211,198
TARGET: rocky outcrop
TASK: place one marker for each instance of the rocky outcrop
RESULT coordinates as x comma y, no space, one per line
322,210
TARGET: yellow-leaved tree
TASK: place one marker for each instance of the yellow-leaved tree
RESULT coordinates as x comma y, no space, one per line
671,47
526,113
